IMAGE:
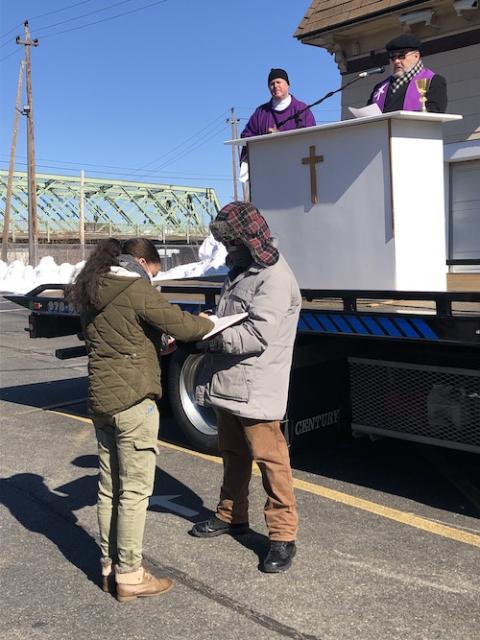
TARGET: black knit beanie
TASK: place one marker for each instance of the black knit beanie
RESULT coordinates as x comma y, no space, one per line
278,73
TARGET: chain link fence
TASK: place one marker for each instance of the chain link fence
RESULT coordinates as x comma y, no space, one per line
171,255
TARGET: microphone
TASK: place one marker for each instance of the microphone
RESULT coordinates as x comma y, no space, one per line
371,72
297,115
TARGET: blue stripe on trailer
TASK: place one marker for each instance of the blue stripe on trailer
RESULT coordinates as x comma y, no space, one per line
390,328
327,323
424,329
407,328
373,326
341,323
302,325
308,323
366,325
358,326
314,322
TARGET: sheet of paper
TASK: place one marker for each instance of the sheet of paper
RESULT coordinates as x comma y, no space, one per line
223,323
243,177
365,112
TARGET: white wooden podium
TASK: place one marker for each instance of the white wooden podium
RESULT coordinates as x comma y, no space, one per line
357,204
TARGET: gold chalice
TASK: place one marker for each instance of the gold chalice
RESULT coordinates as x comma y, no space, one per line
422,85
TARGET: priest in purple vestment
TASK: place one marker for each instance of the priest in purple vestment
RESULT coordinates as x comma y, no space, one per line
399,92
270,117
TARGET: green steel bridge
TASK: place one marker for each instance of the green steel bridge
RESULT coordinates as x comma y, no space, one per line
111,208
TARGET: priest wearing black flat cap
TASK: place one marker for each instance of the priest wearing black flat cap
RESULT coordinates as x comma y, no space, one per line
399,91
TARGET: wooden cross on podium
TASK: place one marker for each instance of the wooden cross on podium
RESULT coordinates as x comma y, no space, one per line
312,160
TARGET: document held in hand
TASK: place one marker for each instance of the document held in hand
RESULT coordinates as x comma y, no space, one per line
365,112
223,323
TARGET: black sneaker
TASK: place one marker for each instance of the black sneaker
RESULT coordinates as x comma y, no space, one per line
215,527
279,557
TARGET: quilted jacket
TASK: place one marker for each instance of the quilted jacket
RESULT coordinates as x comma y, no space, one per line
250,376
122,334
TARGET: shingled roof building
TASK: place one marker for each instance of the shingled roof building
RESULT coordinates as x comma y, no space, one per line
355,32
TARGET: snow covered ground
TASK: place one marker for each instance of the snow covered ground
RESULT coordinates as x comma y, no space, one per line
15,277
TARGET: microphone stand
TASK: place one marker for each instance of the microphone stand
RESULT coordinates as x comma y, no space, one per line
296,116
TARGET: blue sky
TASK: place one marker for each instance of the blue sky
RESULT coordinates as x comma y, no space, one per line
146,95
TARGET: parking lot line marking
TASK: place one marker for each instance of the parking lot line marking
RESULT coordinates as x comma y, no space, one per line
403,517
196,454
70,415
410,519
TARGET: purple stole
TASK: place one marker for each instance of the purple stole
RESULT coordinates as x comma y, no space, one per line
411,101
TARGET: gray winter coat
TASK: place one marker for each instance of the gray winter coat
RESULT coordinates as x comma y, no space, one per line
250,377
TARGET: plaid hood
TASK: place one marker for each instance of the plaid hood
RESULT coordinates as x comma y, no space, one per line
242,221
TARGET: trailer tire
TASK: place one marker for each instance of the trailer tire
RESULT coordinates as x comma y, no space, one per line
198,424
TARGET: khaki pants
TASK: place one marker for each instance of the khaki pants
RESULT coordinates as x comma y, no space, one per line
242,440
127,453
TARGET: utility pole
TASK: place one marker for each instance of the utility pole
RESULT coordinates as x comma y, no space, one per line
11,166
32,184
233,121
82,213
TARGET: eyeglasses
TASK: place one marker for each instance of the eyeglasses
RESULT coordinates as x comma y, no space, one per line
400,56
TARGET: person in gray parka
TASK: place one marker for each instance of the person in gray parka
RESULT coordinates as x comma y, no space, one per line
245,377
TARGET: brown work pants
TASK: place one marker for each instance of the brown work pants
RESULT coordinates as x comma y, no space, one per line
242,440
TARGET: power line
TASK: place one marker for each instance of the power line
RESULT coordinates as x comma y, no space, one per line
208,126
84,26
50,13
84,15
193,147
118,15
210,129
13,29
7,41
10,54
205,138
99,166
143,167
164,155
43,15
199,143
96,171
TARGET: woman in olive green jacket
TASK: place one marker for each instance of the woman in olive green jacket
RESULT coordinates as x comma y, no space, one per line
124,321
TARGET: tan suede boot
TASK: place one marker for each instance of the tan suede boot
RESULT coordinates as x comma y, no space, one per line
108,577
139,584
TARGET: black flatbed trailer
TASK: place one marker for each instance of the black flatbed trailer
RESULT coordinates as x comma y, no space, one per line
403,364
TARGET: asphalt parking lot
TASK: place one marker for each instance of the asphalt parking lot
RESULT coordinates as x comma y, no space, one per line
389,542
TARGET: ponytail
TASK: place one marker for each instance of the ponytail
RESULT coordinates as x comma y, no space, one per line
84,292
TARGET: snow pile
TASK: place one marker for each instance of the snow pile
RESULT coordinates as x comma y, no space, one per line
18,278
212,256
